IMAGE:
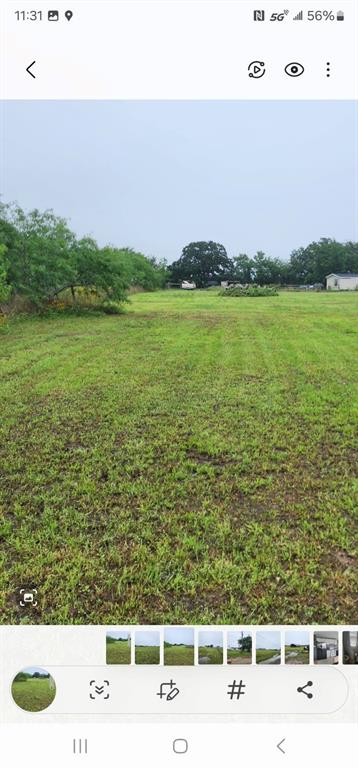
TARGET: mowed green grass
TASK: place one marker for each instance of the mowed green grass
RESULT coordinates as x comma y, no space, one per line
192,460
298,655
147,654
178,655
118,652
33,695
263,655
210,655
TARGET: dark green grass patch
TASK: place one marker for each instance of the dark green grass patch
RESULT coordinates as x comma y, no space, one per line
178,655
210,655
191,461
147,654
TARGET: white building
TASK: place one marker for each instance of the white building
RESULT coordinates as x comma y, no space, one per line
344,281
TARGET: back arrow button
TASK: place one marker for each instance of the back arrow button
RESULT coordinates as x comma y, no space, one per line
279,746
29,68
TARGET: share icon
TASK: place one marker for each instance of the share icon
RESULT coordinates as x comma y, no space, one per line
302,689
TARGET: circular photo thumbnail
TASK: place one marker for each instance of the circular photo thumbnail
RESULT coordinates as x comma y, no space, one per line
33,689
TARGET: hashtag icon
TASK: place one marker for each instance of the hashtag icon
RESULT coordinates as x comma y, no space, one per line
235,690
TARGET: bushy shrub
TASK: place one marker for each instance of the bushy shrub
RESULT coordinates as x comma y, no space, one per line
140,272
43,263
110,308
249,290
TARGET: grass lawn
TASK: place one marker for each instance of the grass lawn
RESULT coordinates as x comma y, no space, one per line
118,652
209,655
297,655
192,460
263,655
147,654
33,695
178,655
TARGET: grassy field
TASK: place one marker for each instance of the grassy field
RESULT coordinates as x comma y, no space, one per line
235,656
263,655
33,695
118,652
147,654
297,655
178,655
190,461
210,655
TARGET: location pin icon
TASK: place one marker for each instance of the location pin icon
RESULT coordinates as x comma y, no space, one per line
68,15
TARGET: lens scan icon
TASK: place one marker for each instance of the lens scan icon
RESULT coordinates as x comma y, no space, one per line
294,69
28,596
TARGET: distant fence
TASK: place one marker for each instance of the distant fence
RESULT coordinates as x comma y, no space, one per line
278,286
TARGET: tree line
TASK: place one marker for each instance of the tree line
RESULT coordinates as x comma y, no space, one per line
208,262
41,258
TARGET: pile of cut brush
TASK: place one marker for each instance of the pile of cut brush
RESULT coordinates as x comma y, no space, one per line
249,290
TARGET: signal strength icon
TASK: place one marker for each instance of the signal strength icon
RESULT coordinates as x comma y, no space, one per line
299,16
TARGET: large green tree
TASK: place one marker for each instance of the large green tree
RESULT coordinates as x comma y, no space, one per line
5,287
39,252
98,268
243,266
148,273
245,643
267,270
203,262
261,269
43,258
314,262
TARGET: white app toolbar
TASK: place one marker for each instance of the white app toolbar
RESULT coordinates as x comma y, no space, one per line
196,49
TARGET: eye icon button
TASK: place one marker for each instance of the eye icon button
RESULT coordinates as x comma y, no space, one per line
294,69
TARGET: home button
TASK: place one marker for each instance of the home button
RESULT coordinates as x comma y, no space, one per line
180,746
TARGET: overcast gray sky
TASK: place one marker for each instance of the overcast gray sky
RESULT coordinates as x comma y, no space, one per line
300,638
206,637
179,635
147,638
157,175
269,640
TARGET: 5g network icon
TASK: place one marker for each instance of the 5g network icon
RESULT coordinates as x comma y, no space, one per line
259,15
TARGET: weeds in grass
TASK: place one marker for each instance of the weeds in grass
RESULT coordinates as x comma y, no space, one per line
190,461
